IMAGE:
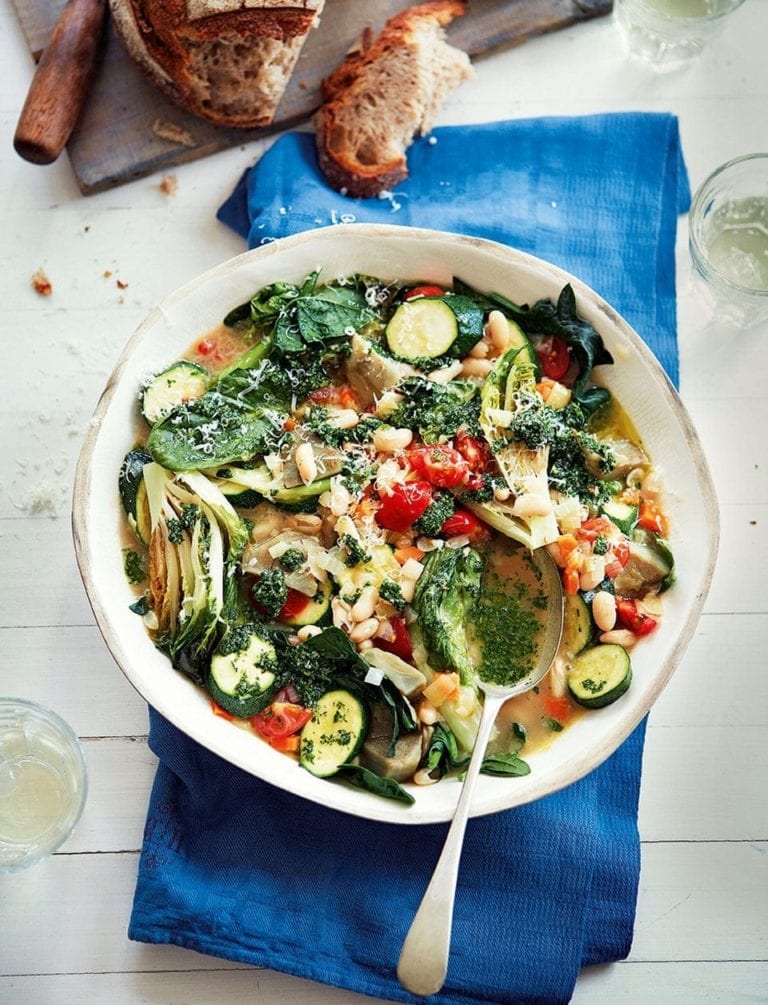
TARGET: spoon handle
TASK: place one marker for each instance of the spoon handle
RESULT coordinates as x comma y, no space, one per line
423,961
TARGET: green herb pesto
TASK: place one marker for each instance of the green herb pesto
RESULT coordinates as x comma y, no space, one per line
507,625
135,569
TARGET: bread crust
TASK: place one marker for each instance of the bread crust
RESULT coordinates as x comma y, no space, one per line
343,172
158,34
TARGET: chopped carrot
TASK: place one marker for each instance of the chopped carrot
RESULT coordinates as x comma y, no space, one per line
364,508
652,518
571,581
566,543
402,555
290,423
544,387
286,744
218,710
348,398
444,686
558,708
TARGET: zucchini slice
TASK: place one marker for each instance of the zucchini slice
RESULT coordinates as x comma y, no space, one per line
133,494
239,496
317,609
180,382
242,674
520,341
422,329
334,734
577,626
619,513
600,675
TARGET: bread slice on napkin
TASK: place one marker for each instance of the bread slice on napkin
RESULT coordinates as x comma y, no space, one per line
384,94
228,61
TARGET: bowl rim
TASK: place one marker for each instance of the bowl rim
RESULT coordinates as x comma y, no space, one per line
589,758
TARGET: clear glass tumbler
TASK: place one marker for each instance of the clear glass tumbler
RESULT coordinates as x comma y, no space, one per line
728,238
43,783
668,34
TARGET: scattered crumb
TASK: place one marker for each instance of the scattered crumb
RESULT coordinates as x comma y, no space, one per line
121,300
87,227
169,185
42,499
173,133
107,273
42,283
753,523
303,85
121,285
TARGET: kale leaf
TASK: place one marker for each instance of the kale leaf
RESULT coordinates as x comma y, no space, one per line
269,592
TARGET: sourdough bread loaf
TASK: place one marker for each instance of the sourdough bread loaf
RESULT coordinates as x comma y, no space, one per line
384,94
227,61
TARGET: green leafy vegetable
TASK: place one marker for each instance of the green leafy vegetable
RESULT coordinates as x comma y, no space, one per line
363,778
505,766
391,592
292,559
445,595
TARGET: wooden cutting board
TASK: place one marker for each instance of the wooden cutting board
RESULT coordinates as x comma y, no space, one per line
124,130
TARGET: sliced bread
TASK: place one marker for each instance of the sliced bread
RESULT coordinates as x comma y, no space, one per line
384,94
228,61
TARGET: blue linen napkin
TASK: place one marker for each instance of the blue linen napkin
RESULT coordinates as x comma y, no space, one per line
234,867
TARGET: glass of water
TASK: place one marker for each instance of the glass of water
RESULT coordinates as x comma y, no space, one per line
728,238
668,34
43,783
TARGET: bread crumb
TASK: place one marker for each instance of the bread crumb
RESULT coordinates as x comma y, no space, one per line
42,283
107,273
169,185
121,300
173,133
121,285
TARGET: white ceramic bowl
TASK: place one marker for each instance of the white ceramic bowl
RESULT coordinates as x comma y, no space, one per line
404,253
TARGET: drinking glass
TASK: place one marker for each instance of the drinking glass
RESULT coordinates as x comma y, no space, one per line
668,34
43,782
728,238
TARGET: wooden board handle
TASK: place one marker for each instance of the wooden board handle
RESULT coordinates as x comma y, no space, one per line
61,82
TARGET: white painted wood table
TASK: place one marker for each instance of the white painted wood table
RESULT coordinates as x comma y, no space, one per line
702,921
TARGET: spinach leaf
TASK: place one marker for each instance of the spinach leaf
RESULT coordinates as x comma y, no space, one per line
443,753
141,606
362,778
505,766
403,718
437,411
240,313
310,315
561,319
334,644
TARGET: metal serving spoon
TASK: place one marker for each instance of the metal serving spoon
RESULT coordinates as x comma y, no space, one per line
423,961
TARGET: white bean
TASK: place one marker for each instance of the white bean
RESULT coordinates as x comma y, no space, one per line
475,367
388,439
304,523
619,637
365,630
343,418
498,330
365,644
363,608
479,351
501,494
604,610
306,463
427,712
532,505
307,632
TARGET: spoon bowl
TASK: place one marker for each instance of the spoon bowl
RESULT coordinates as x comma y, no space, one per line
423,960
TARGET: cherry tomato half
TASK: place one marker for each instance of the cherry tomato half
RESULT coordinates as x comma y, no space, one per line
423,291
465,523
281,718
442,466
631,618
404,505
475,452
400,645
554,356
294,605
